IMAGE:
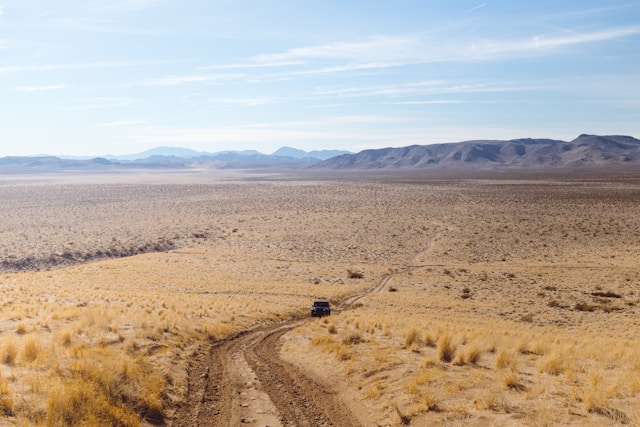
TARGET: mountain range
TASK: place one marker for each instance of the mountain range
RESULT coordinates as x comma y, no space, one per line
525,153
586,150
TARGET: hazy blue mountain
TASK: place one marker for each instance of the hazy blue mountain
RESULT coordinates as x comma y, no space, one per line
184,153
301,154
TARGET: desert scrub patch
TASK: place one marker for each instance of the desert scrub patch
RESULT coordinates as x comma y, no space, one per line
354,274
446,348
556,361
412,338
31,349
506,358
352,336
8,351
470,354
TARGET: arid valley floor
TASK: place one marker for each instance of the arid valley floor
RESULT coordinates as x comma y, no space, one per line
182,299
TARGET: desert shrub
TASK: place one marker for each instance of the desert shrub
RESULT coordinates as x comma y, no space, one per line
553,363
528,318
21,328
412,337
506,359
7,404
9,352
511,380
352,337
583,306
428,339
472,354
607,294
65,338
31,350
352,274
445,348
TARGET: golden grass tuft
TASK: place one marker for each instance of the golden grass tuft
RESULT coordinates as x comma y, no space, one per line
31,350
445,348
555,362
8,352
412,338
506,359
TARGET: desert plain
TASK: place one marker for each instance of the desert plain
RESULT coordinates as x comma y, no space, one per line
496,299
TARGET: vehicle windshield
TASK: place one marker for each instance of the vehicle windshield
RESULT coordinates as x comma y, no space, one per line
321,304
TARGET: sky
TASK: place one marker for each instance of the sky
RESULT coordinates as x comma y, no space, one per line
96,77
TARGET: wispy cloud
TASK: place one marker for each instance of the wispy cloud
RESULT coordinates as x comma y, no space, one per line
251,65
45,88
81,66
249,102
123,123
374,49
430,102
475,8
399,51
103,102
189,79
543,43
423,88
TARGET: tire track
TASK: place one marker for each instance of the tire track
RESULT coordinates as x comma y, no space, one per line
242,379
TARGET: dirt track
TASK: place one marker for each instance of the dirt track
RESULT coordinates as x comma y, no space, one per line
243,380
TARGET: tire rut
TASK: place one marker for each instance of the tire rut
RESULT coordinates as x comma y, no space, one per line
242,378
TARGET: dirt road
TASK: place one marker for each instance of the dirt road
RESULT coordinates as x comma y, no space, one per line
243,380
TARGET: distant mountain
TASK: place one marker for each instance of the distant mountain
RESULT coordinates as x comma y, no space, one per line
168,157
286,154
49,162
158,151
586,150
301,154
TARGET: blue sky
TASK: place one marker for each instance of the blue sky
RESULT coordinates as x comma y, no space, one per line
121,76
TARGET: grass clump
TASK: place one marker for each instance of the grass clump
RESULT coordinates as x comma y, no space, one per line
8,352
506,359
445,348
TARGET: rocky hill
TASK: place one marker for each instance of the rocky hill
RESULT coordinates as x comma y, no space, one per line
586,150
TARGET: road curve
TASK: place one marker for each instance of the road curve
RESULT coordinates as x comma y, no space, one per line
242,379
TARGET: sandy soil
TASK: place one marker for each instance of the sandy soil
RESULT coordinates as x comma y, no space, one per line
207,281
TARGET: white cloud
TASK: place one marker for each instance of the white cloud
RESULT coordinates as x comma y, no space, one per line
398,51
423,87
375,49
188,79
249,102
475,8
123,123
430,102
45,88
85,66
251,65
103,102
484,49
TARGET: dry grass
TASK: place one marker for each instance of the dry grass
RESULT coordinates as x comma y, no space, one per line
512,300
502,350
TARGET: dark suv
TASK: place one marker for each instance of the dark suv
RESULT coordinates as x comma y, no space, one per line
320,308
